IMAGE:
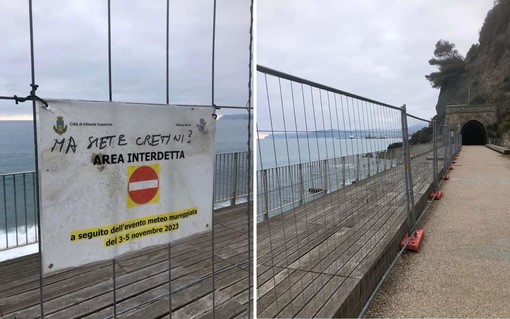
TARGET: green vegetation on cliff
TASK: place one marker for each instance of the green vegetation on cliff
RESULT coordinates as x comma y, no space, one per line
483,76
450,63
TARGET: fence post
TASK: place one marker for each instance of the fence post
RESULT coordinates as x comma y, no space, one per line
411,218
325,176
446,164
454,142
343,171
234,182
450,143
459,142
301,185
449,146
265,192
434,160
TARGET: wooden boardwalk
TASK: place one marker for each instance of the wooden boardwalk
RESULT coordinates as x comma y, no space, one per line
142,280
324,258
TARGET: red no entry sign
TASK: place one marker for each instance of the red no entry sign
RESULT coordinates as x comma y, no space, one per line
143,185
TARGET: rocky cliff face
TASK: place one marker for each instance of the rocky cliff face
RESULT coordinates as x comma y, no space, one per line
486,74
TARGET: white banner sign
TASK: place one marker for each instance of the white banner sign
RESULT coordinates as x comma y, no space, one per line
118,177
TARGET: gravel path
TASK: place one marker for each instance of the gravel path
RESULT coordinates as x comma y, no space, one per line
463,267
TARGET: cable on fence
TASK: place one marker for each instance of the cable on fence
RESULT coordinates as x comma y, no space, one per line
31,97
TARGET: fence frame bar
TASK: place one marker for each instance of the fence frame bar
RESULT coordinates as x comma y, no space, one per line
434,157
411,218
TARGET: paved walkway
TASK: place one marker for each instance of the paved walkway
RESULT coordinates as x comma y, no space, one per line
463,268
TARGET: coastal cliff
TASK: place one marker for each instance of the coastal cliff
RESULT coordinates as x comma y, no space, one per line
483,76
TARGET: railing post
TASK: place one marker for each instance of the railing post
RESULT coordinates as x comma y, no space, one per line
411,218
234,181
377,164
434,160
335,173
343,171
265,192
301,185
325,176
368,164
358,169
5,213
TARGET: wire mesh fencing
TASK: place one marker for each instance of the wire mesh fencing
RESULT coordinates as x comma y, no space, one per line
337,183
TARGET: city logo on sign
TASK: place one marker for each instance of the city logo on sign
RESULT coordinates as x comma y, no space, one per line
201,126
143,185
60,128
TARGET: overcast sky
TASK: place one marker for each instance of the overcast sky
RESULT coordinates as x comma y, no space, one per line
71,51
375,48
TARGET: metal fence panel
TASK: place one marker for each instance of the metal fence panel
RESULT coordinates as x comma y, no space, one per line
339,185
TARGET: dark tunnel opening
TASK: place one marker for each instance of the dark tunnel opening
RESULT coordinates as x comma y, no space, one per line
473,133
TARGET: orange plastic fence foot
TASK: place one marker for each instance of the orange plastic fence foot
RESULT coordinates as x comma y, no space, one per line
451,168
415,242
445,178
436,195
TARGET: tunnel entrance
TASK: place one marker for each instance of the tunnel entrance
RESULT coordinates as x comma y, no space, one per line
473,133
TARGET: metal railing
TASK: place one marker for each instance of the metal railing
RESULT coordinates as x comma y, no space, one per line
285,187
17,218
302,182
18,224
230,183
